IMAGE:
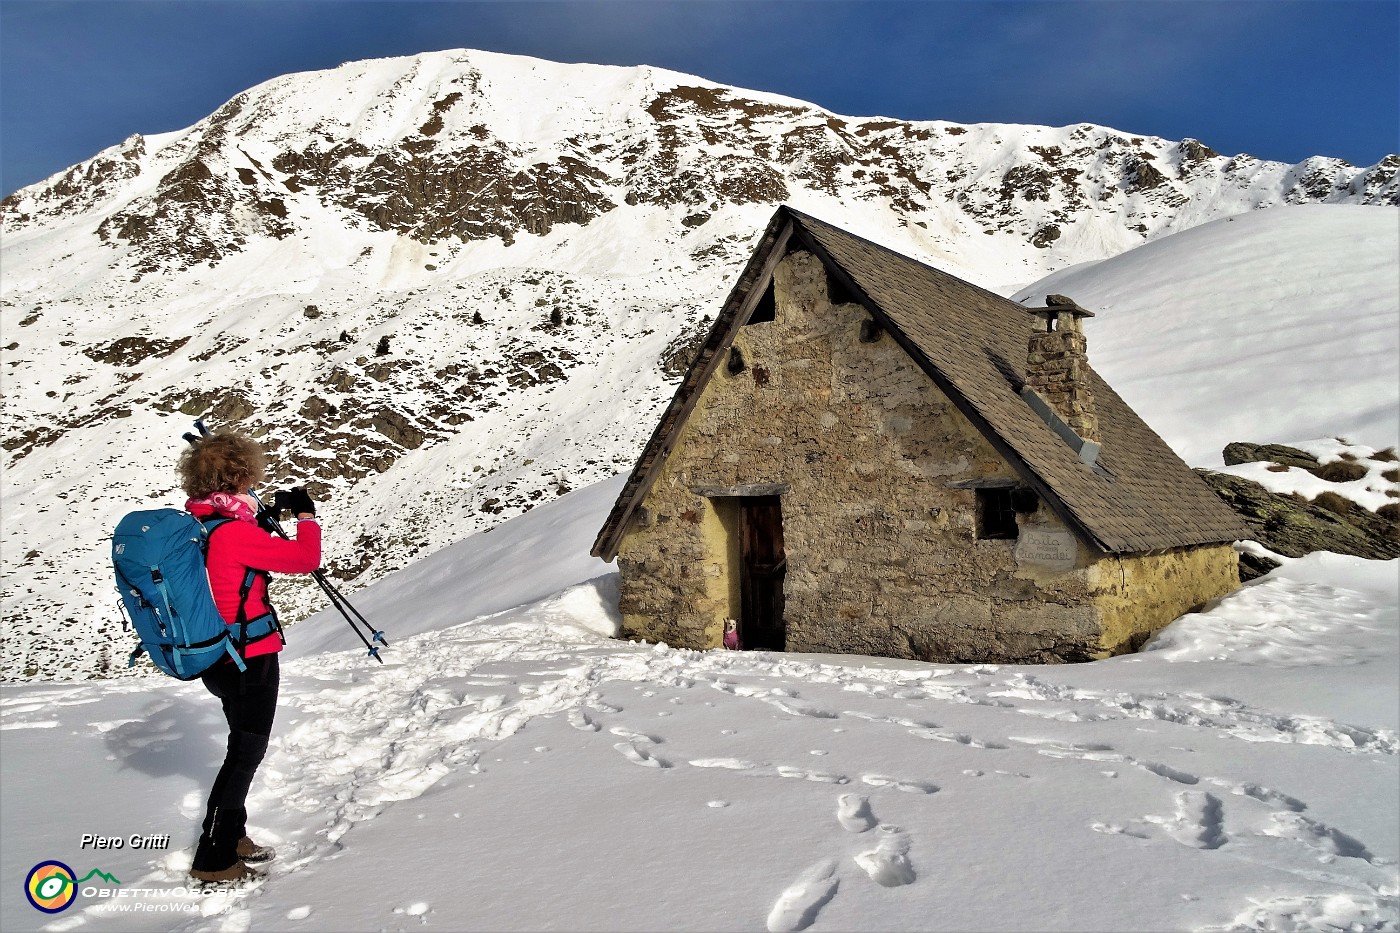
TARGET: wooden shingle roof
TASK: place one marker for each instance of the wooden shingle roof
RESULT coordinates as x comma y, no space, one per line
1140,497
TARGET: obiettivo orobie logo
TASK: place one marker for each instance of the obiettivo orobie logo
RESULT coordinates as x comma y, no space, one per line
52,886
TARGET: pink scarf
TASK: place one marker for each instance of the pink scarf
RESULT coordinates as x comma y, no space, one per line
240,507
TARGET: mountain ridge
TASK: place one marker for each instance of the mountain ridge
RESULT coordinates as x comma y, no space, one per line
434,154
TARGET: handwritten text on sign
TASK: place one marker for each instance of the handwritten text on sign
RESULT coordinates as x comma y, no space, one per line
1051,549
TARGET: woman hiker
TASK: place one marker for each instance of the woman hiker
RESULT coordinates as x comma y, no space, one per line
217,473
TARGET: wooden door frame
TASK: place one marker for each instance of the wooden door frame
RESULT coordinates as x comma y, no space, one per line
762,608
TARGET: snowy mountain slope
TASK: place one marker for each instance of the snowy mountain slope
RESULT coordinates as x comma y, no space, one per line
520,770
1263,327
532,245
479,145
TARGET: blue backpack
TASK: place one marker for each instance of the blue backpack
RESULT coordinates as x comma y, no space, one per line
159,559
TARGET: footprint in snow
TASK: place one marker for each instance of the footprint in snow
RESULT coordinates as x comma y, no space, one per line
756,769
1168,772
795,707
888,863
1116,829
853,813
640,756
1086,751
582,721
798,906
730,764
1262,794
961,738
909,787
805,774
1330,842
1199,821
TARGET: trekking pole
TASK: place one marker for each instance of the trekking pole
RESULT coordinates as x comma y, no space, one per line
334,594
337,598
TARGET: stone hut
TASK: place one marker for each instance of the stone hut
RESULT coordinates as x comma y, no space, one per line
871,456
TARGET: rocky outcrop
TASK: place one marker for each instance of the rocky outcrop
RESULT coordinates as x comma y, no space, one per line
675,360
1242,452
203,208
131,351
481,191
80,188
1290,525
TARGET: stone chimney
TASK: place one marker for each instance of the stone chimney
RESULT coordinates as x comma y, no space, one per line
1057,365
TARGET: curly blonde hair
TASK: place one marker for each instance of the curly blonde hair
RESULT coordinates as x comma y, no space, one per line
225,461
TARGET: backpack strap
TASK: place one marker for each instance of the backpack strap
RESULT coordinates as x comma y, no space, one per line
234,656
243,622
159,581
212,524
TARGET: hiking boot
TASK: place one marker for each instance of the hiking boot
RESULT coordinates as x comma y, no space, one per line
254,854
233,876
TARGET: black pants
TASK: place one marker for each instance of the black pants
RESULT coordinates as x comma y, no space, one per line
250,702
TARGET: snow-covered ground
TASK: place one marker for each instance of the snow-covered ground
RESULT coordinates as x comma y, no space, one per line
513,768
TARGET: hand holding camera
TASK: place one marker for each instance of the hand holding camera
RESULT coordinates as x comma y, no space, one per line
295,501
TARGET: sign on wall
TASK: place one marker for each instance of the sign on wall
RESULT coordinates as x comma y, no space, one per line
1051,548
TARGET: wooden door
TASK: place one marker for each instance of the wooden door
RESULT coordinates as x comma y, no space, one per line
764,565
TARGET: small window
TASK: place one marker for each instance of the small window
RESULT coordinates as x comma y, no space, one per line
1024,501
836,291
736,363
766,309
996,516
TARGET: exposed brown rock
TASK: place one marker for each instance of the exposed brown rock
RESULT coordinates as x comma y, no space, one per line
398,429
1294,527
129,351
1241,452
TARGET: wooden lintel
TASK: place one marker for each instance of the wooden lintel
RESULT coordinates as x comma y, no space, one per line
756,489
995,482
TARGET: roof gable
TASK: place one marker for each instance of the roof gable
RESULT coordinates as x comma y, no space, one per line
972,344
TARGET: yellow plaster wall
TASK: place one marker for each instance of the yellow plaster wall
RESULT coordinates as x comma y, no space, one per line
1137,595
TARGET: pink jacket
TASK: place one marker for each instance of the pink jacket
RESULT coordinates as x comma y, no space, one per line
240,545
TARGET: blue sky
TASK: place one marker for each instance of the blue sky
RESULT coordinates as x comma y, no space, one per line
1280,80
